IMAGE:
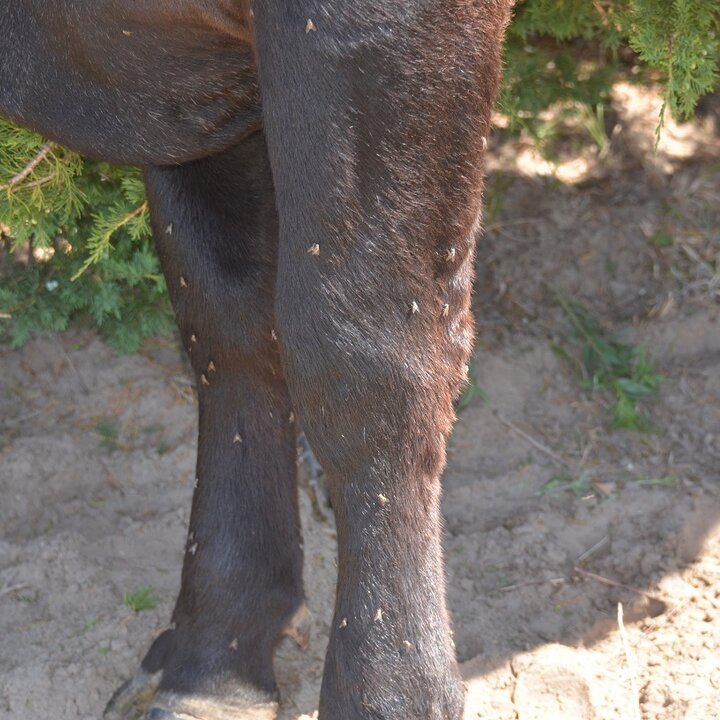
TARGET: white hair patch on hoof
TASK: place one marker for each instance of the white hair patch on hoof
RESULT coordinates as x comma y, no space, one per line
245,703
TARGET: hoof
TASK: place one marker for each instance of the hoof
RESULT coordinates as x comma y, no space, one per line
132,698
299,627
243,706
158,714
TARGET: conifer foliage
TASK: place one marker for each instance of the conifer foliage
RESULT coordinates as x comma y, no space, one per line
75,239
77,245
571,50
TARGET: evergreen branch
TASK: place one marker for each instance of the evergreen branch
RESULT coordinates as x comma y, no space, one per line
562,55
28,169
104,240
37,183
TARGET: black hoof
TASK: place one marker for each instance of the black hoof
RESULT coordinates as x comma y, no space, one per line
132,698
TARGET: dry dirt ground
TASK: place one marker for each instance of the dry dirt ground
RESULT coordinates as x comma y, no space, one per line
552,518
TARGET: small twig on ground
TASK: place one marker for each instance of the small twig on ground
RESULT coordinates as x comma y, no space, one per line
112,480
529,438
672,613
615,583
599,544
28,169
71,364
630,660
183,387
527,583
510,223
12,422
12,588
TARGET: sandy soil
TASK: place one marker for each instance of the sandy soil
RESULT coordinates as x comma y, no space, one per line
97,456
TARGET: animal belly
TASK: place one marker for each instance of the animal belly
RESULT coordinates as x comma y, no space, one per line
163,81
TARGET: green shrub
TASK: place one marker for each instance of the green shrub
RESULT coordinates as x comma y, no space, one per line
76,243
570,51
77,246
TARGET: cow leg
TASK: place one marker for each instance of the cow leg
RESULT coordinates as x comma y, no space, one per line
376,114
215,227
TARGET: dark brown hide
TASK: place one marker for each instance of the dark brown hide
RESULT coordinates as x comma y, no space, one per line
318,246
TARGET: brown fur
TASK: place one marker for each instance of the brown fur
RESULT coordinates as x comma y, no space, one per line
318,248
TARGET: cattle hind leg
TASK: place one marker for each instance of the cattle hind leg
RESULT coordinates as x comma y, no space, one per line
376,118
215,226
